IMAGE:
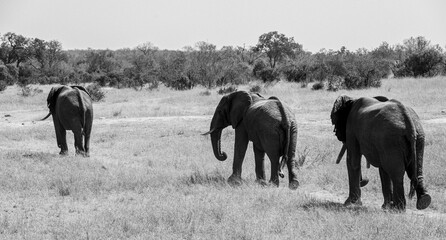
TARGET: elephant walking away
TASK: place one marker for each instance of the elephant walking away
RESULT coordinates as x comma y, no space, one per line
72,109
390,136
271,127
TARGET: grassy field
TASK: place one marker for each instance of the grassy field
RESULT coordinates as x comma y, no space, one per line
151,175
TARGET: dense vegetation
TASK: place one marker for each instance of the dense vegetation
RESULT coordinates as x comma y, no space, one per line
27,61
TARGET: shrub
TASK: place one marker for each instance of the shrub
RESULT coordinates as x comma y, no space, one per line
318,86
256,89
269,75
3,85
8,74
424,63
258,67
182,83
296,73
27,91
102,80
205,93
226,90
334,83
96,92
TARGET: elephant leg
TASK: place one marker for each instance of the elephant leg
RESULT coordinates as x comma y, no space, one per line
61,136
386,185
399,200
78,142
259,156
354,176
292,164
87,133
423,198
240,146
274,158
87,145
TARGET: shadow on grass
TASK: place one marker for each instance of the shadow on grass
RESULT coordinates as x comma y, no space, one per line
214,178
43,157
314,204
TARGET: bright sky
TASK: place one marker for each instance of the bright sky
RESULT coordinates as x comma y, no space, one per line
174,24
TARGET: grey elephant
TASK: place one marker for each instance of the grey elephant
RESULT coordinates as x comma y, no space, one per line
391,138
271,127
72,109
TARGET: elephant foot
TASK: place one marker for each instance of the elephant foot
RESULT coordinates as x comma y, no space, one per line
83,154
387,205
352,202
423,201
363,182
63,152
262,182
293,185
234,181
274,182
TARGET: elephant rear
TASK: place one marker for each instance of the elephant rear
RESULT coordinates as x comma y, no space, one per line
265,116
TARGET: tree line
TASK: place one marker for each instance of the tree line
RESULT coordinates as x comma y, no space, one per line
25,61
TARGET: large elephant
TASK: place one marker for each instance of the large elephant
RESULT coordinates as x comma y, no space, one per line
391,138
268,123
72,109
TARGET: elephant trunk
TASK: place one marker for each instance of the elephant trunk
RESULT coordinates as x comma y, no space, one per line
216,145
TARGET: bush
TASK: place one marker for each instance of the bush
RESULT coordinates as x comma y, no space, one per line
205,93
334,83
27,91
96,92
226,90
8,74
424,63
296,73
258,67
182,83
269,75
318,86
3,85
256,89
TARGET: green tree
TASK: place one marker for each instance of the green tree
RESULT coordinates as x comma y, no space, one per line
277,46
204,66
14,49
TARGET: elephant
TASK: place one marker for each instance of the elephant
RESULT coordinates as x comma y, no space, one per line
390,136
268,124
72,109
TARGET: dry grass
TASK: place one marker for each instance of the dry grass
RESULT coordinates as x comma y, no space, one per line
156,178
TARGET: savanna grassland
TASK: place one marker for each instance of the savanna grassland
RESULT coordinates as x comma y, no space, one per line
152,175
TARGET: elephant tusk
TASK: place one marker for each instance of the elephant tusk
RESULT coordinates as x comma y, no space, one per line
46,117
209,132
341,153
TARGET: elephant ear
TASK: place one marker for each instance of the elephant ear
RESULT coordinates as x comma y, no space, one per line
339,115
240,102
52,98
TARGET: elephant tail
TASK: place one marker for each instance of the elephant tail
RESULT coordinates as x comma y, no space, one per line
287,128
411,137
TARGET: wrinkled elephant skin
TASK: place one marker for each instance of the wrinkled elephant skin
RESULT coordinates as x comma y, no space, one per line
390,136
268,124
72,109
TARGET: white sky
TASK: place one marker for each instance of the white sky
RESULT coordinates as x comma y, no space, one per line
174,24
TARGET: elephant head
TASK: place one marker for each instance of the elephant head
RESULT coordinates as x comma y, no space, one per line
339,115
335,119
230,111
52,99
